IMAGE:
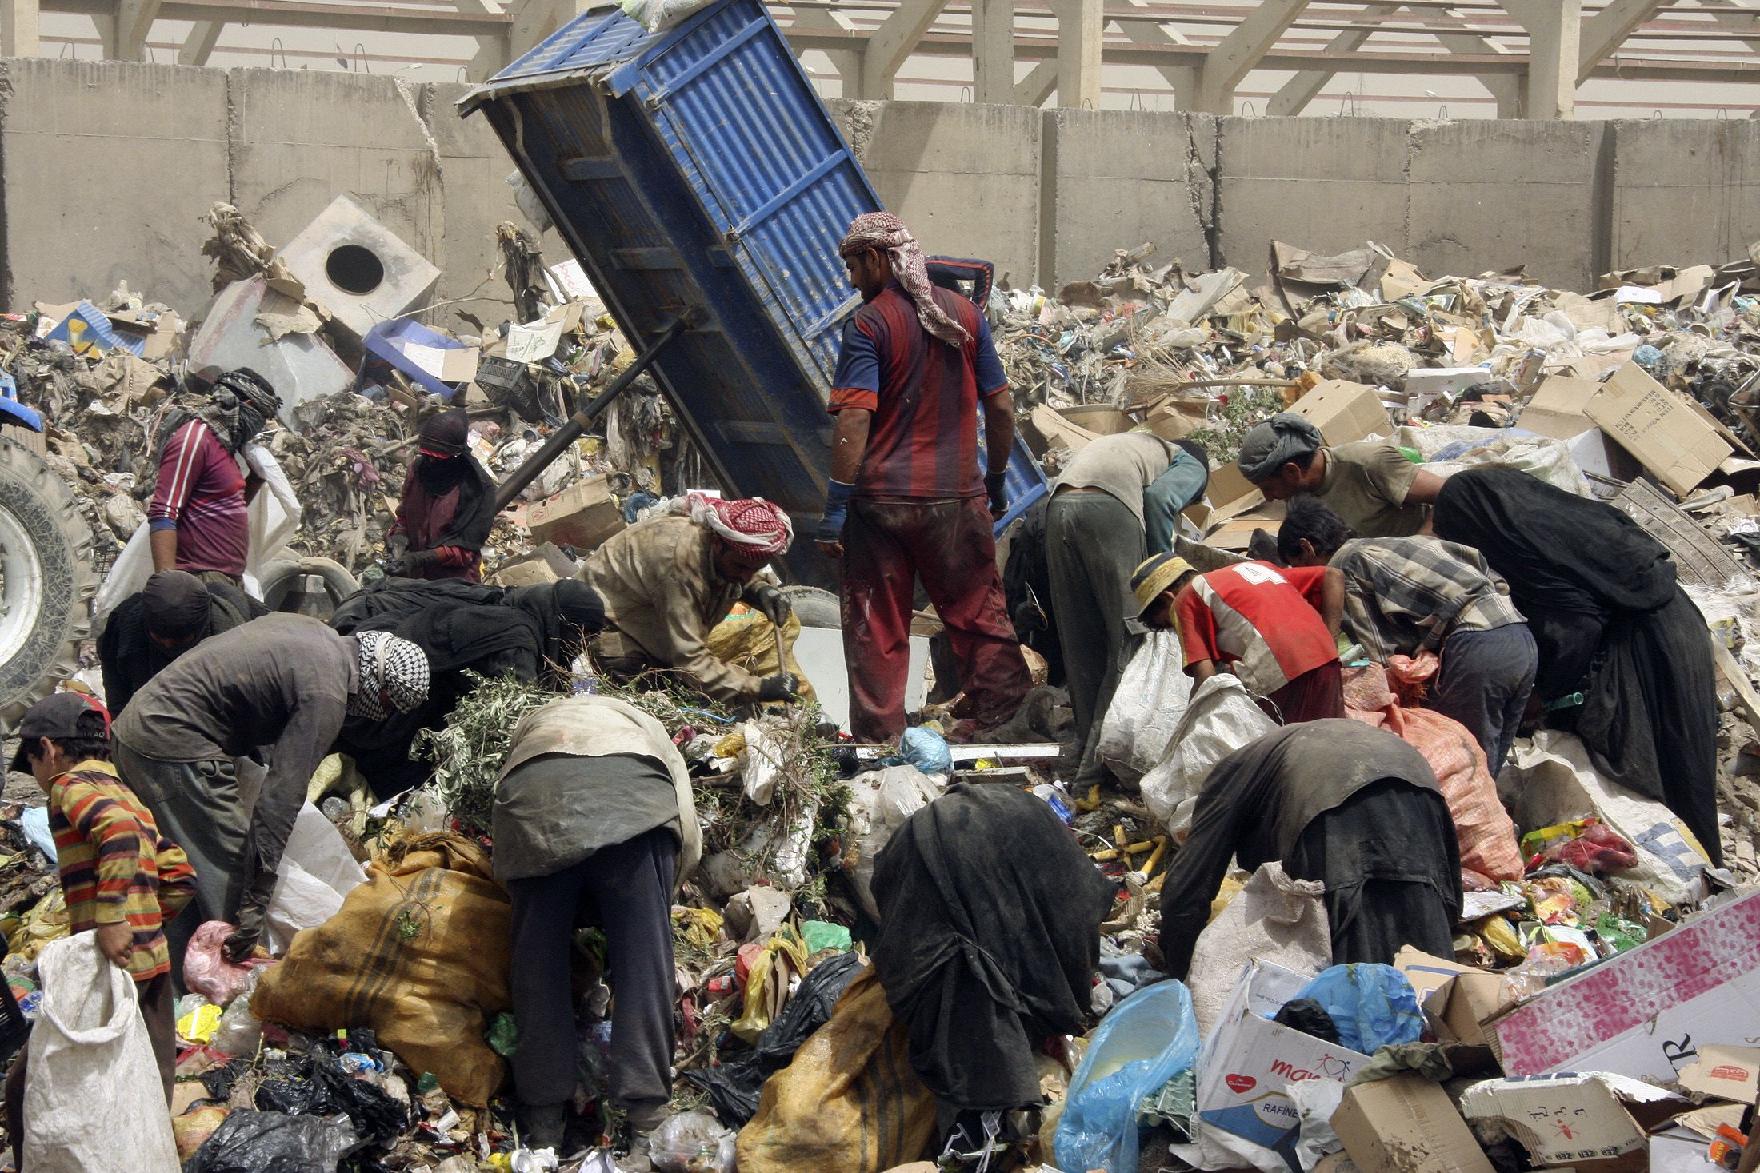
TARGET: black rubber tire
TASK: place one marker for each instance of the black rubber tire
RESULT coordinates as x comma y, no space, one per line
279,574
47,511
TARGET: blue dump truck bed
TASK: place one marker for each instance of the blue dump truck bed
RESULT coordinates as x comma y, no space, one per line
695,173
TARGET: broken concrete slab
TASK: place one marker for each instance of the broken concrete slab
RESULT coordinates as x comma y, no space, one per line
356,268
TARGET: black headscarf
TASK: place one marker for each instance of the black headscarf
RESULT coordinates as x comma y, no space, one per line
441,467
565,612
176,605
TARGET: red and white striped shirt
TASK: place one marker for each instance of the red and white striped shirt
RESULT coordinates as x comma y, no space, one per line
1257,621
200,494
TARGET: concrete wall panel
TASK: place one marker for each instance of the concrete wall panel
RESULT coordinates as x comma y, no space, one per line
1326,184
966,178
1684,191
1117,178
1491,195
108,170
300,138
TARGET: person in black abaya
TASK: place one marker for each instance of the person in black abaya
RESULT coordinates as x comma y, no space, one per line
990,936
533,633
447,507
1612,623
173,613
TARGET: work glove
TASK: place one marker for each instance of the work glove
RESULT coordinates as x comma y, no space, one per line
249,931
418,561
778,688
996,488
830,531
770,600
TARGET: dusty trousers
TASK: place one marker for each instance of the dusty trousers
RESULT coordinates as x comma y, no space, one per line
1092,545
625,889
948,544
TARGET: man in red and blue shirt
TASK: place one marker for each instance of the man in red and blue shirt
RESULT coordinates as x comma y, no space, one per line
906,499
198,519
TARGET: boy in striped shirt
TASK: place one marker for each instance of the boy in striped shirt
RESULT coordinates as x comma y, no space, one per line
120,876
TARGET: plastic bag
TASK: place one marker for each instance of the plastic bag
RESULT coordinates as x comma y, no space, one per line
691,1142
206,970
926,749
272,1142
1276,919
1372,1006
1148,1039
1597,850
317,870
761,761
655,15
1153,691
1220,718
881,802
93,1100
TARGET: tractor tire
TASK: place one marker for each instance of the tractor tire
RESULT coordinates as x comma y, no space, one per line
814,606
46,581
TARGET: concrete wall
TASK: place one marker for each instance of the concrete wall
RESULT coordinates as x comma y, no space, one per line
107,170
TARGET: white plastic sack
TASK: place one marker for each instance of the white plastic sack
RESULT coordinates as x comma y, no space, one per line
274,519
1220,718
1274,918
1152,694
1550,779
655,15
93,1102
760,762
317,870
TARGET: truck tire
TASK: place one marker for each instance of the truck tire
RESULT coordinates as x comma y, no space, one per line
814,606
46,581
282,577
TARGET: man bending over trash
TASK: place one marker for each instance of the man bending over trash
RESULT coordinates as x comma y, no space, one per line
280,684
593,817
668,580
1337,801
173,613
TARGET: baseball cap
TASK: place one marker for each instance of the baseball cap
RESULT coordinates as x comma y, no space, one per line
60,715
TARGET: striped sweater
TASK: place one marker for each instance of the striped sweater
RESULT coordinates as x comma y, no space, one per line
114,863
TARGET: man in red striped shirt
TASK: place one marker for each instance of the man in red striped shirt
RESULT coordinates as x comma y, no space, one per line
906,500
122,879
198,518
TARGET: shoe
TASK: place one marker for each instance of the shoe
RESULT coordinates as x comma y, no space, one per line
542,1125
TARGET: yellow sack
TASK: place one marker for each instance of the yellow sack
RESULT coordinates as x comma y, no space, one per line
849,1101
419,954
746,639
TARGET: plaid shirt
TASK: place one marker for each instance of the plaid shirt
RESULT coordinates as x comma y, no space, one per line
1407,595
115,866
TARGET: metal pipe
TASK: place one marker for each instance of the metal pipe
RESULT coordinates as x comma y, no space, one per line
582,419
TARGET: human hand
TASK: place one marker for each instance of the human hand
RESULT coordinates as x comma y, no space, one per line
778,688
771,601
996,488
116,942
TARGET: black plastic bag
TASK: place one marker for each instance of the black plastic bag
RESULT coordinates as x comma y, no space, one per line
1309,1017
273,1142
735,1085
315,1084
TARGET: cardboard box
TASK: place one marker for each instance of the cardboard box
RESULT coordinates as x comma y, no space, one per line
1570,1119
1345,411
1558,412
1425,385
1725,1073
1249,1060
1658,427
1648,1012
582,515
1406,1124
1230,492
1457,997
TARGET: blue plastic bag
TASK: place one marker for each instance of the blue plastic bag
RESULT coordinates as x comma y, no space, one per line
926,750
1149,1038
1373,1006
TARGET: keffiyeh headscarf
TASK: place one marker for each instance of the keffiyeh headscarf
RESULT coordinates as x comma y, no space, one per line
393,676
752,525
1284,437
887,233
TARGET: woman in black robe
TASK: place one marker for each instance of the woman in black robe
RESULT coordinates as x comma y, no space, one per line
447,507
1612,624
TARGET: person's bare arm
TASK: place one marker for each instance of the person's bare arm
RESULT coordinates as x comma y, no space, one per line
849,443
1201,670
163,543
998,429
1424,488
1332,600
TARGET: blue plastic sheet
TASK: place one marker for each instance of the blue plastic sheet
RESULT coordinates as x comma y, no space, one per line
926,750
1373,1006
1149,1038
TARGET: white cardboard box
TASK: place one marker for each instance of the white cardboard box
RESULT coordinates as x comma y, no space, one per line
1248,1060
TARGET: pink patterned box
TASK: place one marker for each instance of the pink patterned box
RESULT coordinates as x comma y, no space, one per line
1645,1013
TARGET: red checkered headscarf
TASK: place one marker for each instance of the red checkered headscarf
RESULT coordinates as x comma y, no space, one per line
752,525
885,232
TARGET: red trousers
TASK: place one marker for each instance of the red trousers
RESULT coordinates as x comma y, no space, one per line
949,545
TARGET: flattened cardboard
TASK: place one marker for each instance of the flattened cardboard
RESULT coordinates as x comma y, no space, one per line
1249,1060
1573,1119
1647,1012
1457,997
1658,427
1344,411
1724,1073
1406,1124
